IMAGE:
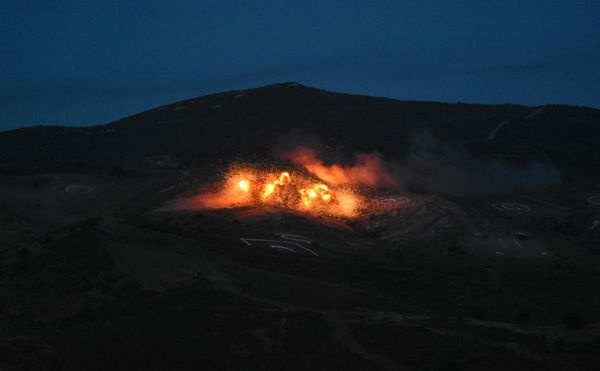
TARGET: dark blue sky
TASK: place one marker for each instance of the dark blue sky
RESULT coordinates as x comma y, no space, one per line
78,62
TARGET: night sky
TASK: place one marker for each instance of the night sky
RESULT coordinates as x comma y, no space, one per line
77,62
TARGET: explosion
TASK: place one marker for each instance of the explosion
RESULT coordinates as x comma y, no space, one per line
247,186
312,187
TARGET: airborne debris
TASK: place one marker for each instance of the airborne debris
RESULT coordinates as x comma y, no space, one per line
254,186
311,185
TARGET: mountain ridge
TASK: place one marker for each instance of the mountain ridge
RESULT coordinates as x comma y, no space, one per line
242,123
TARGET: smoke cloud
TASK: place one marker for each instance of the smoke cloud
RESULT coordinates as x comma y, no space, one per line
430,165
434,166
368,169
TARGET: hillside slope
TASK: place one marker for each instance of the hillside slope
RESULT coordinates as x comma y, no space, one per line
252,122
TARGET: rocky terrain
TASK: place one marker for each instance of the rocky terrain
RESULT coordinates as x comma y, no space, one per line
487,255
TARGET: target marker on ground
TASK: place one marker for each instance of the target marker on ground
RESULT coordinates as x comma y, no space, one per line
512,207
289,243
72,188
594,200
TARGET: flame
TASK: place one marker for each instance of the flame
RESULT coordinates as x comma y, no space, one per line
244,185
369,169
315,193
271,187
321,189
247,186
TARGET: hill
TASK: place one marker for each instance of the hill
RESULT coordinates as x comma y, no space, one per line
251,123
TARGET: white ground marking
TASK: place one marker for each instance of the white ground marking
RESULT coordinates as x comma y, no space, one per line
248,241
499,253
510,206
493,133
279,247
167,189
72,188
517,243
295,237
594,200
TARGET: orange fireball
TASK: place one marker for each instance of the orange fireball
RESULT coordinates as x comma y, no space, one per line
246,186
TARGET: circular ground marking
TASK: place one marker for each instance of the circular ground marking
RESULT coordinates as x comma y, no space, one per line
512,206
594,200
72,188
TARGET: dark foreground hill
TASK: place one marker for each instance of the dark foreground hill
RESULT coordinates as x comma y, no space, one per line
253,122
493,263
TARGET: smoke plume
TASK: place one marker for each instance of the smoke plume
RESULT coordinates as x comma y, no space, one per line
368,169
434,166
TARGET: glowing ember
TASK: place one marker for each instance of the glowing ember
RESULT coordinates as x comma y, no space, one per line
246,186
